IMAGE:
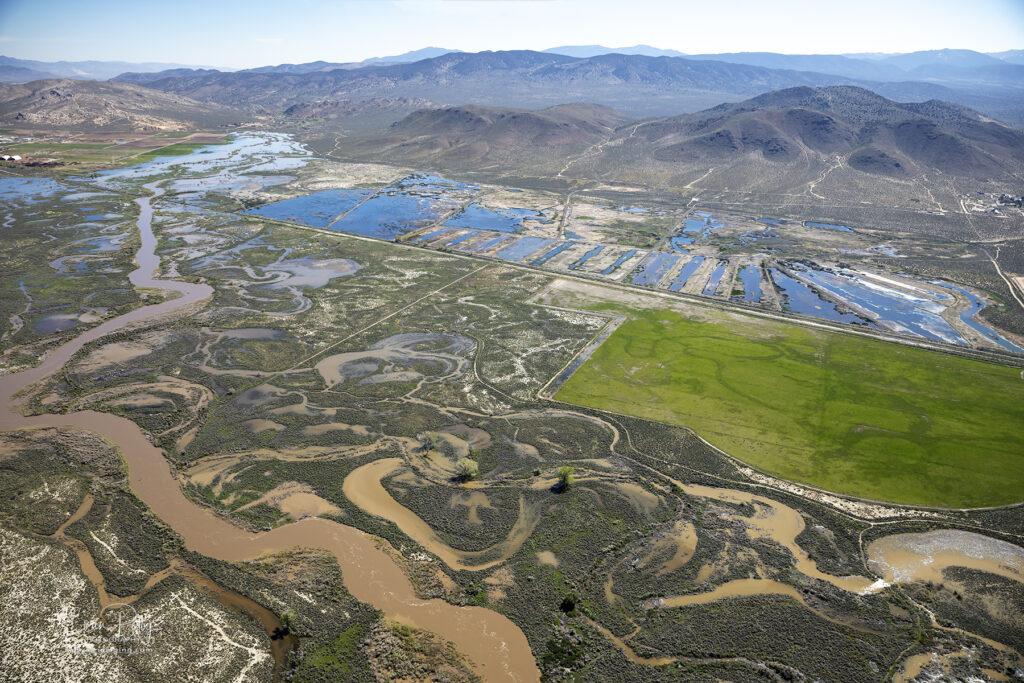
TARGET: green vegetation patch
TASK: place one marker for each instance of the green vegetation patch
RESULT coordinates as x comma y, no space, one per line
109,154
845,413
177,149
336,657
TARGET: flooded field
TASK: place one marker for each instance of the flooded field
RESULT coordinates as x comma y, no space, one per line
903,558
800,298
442,214
317,210
750,276
481,217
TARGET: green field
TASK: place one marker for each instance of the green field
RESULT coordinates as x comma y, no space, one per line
841,412
107,154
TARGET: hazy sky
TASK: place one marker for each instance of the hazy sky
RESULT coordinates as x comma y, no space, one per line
235,33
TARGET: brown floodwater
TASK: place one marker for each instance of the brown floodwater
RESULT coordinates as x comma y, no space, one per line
628,651
473,501
295,499
497,647
682,538
88,564
363,487
280,642
739,588
925,556
781,524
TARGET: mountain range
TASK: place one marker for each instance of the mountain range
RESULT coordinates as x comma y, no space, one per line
644,116
856,126
775,141
636,84
14,70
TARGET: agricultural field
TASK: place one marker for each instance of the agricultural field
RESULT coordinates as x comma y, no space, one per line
298,452
849,414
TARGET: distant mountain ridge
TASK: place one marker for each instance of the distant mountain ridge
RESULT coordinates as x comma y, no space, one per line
145,77
311,67
638,84
83,70
1011,56
583,51
411,56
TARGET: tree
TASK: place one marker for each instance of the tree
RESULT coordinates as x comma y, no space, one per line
288,619
565,478
466,469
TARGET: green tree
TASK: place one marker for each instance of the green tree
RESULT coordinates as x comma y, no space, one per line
466,469
565,478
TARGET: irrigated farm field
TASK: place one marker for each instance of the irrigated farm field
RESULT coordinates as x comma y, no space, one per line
849,414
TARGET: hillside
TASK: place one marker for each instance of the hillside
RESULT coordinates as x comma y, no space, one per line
868,132
473,136
837,144
105,105
21,74
147,77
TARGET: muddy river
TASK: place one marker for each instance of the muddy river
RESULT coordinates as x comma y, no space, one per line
363,487
496,646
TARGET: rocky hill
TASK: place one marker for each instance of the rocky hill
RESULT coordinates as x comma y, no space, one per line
105,105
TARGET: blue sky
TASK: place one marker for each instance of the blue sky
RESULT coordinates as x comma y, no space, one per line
232,33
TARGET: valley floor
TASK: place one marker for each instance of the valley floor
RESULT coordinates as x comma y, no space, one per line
332,457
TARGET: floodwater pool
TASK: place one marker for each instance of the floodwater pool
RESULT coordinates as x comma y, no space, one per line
523,247
799,298
386,216
582,260
316,210
750,276
484,218
655,267
828,226
898,309
716,276
689,269
625,256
